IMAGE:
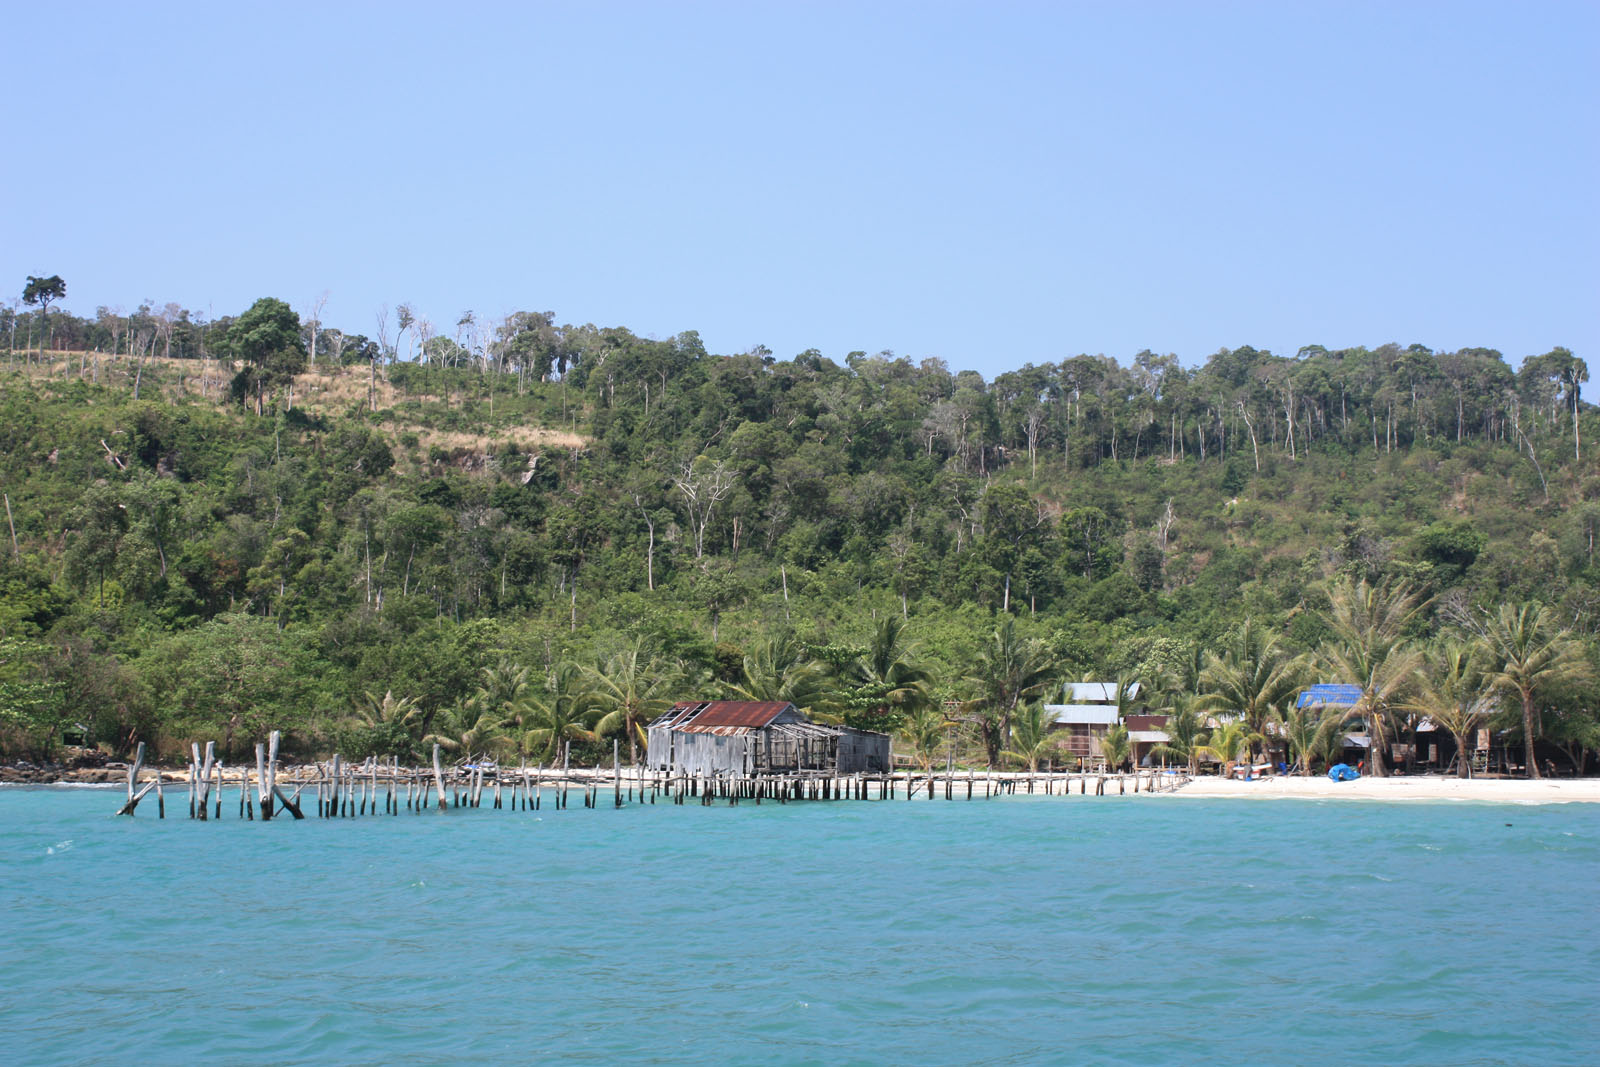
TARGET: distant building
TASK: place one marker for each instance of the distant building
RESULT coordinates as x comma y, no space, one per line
755,737
1145,732
1339,696
1091,713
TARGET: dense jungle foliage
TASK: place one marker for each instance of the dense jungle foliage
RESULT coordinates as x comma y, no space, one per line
541,532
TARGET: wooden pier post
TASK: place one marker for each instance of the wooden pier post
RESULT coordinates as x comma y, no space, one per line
269,780
200,784
194,769
616,771
133,774
333,787
438,777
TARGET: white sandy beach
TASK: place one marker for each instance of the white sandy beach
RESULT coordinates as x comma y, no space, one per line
1490,790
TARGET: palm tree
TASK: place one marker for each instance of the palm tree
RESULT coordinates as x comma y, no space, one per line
1526,652
1457,695
887,681
472,729
1370,651
1031,737
927,729
1228,740
390,724
503,687
1115,747
1185,730
1253,678
388,712
781,667
631,687
562,714
1009,671
1310,734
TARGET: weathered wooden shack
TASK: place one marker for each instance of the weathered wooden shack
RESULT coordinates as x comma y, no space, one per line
755,737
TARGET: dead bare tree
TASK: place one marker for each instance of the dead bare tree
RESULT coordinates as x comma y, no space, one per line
704,483
314,319
383,348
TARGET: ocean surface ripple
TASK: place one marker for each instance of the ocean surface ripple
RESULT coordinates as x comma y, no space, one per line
1023,930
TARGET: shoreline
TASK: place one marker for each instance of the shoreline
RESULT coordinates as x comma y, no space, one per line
1274,787
1411,788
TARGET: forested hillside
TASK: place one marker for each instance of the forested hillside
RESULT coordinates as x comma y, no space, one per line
263,522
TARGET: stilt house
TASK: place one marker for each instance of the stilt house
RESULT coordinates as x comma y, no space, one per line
753,737
1089,716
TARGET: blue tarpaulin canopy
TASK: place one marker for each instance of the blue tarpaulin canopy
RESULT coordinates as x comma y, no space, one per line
1329,696
1343,772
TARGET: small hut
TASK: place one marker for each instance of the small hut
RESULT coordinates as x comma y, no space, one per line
754,737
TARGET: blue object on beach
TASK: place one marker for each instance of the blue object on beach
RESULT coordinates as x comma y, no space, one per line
1343,772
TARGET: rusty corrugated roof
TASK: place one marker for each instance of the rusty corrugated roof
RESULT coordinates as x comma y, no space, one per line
1146,722
726,716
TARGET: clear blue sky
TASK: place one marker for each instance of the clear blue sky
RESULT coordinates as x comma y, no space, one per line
989,183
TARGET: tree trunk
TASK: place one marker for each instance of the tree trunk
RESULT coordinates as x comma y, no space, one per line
1375,753
1528,757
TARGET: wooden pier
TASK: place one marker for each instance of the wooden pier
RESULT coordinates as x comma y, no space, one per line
337,789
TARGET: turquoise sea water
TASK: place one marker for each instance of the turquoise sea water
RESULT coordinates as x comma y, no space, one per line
1009,931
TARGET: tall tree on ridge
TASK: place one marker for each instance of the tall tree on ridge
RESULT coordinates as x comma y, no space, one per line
41,293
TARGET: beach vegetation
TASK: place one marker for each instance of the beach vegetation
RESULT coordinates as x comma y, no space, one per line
1186,733
1115,748
1371,650
219,526
1455,692
927,731
1032,739
1527,652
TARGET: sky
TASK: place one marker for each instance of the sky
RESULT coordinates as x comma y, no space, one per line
991,184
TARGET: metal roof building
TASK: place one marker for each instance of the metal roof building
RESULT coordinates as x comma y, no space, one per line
753,737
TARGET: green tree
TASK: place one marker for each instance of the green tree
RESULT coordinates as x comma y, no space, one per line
563,713
97,525
630,687
41,293
1186,733
1310,734
1526,652
1370,651
886,682
32,704
1115,748
385,726
1253,678
1228,741
1456,694
267,337
239,674
472,729
927,730
1010,669
781,667
1032,737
